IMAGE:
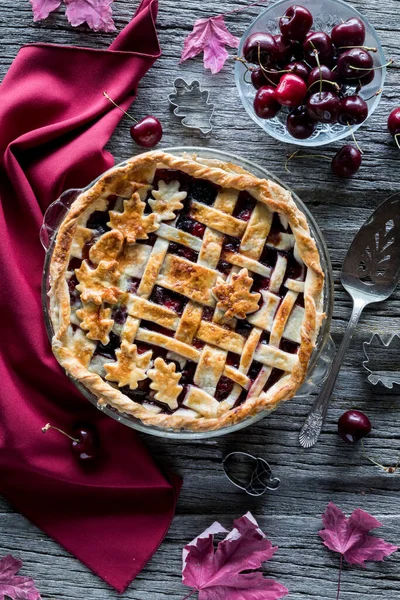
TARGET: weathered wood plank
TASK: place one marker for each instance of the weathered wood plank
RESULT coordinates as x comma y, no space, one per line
310,479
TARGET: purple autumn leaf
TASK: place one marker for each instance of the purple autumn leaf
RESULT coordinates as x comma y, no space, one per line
96,13
350,536
219,575
211,36
42,8
15,586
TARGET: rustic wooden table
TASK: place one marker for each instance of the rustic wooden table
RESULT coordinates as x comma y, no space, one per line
310,479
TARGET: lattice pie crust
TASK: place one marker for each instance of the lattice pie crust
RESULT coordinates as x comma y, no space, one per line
185,292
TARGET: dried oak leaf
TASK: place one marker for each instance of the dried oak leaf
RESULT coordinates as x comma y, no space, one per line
211,36
218,575
42,8
350,536
15,586
235,298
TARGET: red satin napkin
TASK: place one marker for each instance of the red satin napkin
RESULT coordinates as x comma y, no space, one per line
54,124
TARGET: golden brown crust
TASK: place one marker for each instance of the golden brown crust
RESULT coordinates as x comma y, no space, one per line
138,173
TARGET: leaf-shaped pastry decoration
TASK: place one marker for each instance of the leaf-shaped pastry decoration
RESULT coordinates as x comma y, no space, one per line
130,367
235,298
165,382
167,199
101,284
107,247
132,223
96,321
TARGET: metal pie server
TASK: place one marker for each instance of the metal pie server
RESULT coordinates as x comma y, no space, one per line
370,273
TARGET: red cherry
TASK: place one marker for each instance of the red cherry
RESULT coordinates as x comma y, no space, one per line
147,132
296,22
299,124
323,107
353,110
298,68
259,77
320,42
355,63
394,122
353,425
198,229
265,103
284,49
347,161
349,33
84,442
326,75
291,90
261,45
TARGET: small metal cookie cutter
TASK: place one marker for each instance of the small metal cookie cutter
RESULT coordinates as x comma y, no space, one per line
383,359
249,473
192,105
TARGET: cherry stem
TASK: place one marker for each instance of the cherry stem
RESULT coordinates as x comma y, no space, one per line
396,139
340,576
324,81
48,426
296,155
190,594
390,62
362,47
315,51
266,70
354,138
376,463
116,105
373,95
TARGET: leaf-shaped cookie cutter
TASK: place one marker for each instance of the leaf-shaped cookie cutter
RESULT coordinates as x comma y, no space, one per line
384,366
192,105
249,473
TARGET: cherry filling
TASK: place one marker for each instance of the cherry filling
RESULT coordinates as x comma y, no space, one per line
224,388
260,283
108,350
244,206
224,267
264,338
74,263
275,376
233,359
208,313
243,328
254,370
203,191
289,347
73,292
98,221
230,244
294,269
151,326
133,285
169,175
169,299
119,314
183,251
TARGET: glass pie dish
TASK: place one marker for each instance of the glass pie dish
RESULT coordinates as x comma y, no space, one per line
321,357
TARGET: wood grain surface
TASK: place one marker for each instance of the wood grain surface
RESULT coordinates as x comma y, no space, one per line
310,478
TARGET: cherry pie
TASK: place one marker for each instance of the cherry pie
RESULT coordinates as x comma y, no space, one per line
185,292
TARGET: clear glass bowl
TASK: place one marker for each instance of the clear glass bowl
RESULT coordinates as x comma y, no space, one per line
323,354
326,13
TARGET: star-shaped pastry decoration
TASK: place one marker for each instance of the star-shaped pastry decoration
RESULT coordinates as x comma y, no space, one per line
101,284
168,198
235,298
96,321
107,247
130,367
165,382
132,223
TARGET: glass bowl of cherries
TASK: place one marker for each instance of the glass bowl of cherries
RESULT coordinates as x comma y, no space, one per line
310,73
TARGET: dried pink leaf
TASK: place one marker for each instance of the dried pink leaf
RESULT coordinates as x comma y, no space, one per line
42,8
15,586
350,536
96,13
211,36
219,574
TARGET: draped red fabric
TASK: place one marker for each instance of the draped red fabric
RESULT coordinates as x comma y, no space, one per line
54,124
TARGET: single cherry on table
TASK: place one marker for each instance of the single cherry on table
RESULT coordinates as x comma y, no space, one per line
394,124
353,425
346,161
